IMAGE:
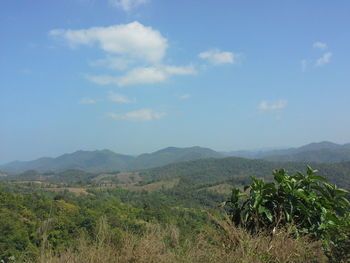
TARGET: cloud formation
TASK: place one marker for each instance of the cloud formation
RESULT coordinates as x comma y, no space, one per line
151,75
142,75
132,40
271,106
217,57
133,47
127,5
138,115
119,98
320,45
326,58
111,62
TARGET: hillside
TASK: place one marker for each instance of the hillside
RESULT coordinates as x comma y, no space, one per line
174,205
322,152
115,225
319,156
172,155
231,170
236,170
108,161
170,207
104,160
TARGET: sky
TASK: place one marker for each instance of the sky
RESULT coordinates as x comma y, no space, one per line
135,76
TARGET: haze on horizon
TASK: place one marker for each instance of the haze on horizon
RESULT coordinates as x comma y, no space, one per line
135,76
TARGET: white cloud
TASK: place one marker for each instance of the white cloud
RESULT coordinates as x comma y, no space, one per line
116,63
142,75
150,75
127,5
119,98
146,75
326,58
134,48
87,101
138,115
133,40
216,57
277,105
185,96
320,45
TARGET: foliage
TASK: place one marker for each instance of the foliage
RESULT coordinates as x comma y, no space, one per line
34,221
306,203
237,171
230,170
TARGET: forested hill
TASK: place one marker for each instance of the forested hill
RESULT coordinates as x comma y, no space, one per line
108,161
104,160
325,155
172,155
239,170
322,152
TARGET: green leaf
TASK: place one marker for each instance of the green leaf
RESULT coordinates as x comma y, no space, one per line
310,171
264,210
278,177
317,177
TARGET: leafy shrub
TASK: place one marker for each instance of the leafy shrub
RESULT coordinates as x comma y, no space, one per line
307,204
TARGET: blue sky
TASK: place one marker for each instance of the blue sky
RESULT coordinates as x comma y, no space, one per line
135,76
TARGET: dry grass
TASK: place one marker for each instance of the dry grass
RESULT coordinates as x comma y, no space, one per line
74,190
123,178
168,184
162,245
131,182
221,188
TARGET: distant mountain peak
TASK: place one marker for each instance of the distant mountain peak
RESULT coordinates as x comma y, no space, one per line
106,160
319,145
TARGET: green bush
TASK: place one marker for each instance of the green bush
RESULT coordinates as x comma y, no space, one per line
307,204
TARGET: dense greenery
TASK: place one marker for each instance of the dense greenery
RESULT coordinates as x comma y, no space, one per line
322,152
108,161
39,214
315,156
306,203
33,220
235,170
201,173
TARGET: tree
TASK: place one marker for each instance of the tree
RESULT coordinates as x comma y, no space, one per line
306,203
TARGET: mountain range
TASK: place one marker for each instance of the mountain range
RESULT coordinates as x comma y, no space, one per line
108,161
321,152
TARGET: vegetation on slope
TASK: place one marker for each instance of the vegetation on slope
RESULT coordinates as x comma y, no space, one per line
306,204
108,161
322,152
39,224
236,170
44,227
